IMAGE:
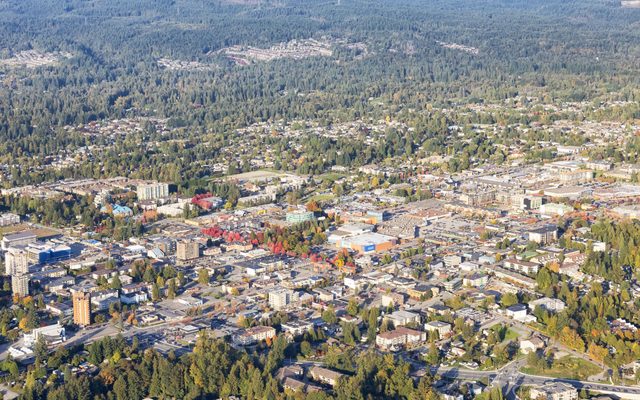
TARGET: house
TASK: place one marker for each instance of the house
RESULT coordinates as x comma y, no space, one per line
554,391
442,328
324,375
531,344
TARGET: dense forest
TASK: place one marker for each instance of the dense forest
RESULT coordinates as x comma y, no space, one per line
557,50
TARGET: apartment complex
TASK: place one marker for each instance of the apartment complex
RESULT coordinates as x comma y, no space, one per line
187,250
153,191
82,308
20,284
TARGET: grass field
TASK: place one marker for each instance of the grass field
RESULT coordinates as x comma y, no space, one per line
566,367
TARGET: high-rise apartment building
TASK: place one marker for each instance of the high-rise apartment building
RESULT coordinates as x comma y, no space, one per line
153,191
279,299
16,261
20,284
82,308
187,250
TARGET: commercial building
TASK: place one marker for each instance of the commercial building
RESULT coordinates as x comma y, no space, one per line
153,191
297,217
18,239
82,308
52,334
368,242
187,250
20,284
45,253
551,209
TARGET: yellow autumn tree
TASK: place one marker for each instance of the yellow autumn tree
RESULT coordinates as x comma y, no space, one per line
571,339
598,353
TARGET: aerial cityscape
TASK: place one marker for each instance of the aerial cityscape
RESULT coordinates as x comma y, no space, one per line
309,199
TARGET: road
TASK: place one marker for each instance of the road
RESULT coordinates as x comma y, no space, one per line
509,378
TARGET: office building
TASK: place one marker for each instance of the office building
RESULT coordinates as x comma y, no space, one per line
82,308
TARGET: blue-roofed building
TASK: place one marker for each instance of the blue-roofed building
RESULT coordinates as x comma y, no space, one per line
117,210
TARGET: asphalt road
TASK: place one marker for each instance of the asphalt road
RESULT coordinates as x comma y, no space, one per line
510,378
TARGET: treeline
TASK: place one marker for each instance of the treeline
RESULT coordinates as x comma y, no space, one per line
213,370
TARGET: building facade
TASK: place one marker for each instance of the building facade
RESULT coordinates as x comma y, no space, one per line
20,284
153,191
187,251
82,308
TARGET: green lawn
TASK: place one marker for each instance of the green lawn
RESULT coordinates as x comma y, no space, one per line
566,367
322,197
510,335
331,176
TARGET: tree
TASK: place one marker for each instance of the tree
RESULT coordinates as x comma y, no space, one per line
329,315
41,350
171,289
570,338
155,292
305,348
509,299
120,388
203,276
433,357
115,283
353,307
372,325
